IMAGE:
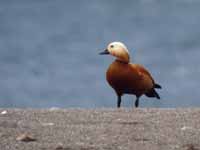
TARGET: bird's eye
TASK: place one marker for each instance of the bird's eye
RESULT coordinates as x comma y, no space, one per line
112,46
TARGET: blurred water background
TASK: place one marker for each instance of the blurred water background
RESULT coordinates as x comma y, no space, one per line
49,51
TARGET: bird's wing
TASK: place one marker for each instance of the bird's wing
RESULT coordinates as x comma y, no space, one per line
143,72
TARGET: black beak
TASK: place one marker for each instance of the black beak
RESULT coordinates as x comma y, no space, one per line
105,52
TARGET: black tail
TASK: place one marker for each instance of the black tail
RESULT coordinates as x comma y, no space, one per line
152,93
157,86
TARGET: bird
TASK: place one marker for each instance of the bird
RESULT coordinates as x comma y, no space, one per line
126,77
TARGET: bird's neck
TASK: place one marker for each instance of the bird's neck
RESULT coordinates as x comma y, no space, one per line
121,61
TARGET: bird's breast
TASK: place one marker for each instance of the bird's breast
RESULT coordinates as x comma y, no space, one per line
121,77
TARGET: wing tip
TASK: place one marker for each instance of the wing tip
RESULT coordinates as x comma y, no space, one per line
157,86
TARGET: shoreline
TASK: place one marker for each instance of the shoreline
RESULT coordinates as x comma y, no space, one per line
102,128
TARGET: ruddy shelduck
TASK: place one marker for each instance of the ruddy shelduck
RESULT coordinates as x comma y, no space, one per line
128,78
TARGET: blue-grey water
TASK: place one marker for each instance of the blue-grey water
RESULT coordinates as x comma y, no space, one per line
49,51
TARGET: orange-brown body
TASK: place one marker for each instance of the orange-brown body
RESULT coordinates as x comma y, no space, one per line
127,78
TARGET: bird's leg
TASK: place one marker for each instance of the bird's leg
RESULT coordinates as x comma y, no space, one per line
137,102
119,101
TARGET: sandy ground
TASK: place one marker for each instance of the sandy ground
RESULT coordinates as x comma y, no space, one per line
100,129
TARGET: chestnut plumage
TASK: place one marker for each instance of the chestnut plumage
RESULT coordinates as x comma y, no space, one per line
127,78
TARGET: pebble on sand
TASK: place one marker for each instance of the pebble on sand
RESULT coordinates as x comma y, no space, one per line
25,137
4,112
59,146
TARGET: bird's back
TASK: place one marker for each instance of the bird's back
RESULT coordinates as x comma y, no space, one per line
129,78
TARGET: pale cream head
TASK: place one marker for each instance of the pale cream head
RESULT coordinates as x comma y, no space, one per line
119,50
